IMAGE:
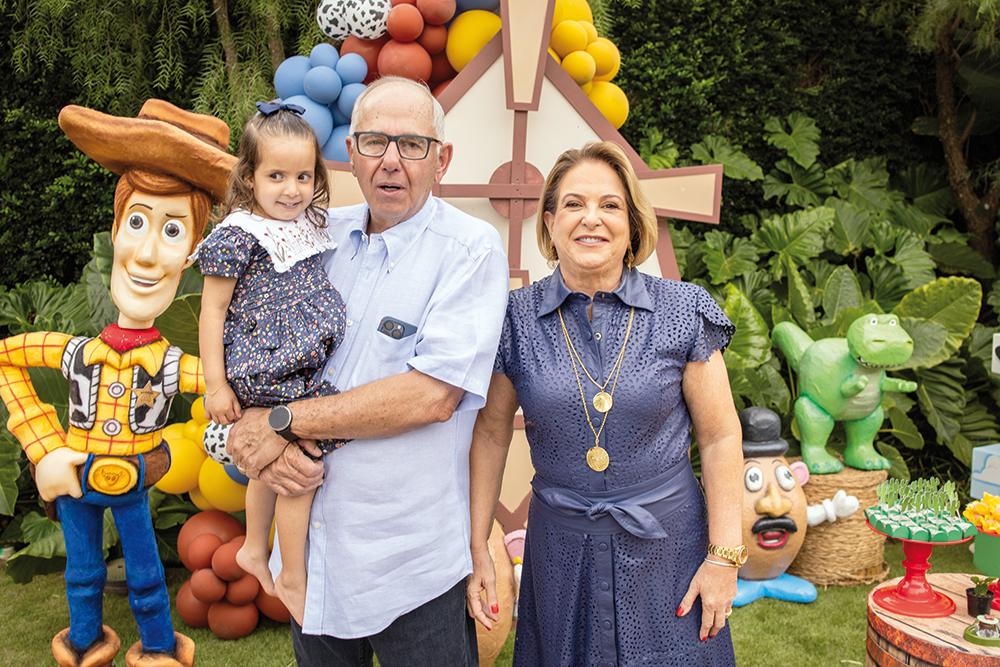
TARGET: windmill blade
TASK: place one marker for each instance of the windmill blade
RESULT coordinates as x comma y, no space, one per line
688,193
525,44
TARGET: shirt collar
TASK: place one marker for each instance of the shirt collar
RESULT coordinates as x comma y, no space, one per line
631,292
400,237
148,355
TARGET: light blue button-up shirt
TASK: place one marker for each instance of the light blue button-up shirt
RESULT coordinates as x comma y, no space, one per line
389,528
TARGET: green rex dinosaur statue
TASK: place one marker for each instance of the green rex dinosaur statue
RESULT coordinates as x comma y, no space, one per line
842,379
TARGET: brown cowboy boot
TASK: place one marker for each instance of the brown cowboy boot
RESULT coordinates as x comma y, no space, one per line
183,655
100,654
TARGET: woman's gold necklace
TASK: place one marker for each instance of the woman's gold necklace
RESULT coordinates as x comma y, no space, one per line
597,456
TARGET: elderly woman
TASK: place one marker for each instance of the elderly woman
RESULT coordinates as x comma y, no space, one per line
611,368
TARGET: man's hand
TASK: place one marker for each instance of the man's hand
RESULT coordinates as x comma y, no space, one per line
252,444
293,473
55,474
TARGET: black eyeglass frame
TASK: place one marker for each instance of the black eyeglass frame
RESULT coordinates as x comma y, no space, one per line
394,139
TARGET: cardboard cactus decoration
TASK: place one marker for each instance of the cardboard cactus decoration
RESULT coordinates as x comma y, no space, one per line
843,379
172,165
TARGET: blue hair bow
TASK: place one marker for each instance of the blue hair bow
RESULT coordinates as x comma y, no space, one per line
268,108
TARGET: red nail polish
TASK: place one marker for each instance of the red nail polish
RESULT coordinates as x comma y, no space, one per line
703,638
680,611
495,609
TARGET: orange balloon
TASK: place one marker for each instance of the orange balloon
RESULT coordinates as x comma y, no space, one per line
243,590
199,553
207,587
437,12
224,561
405,23
409,60
440,88
441,69
225,526
272,607
192,611
434,38
229,621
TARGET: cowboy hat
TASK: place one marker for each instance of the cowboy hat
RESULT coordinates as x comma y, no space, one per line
165,139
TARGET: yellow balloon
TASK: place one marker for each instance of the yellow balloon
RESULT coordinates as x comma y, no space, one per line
468,34
173,432
586,87
591,31
567,37
606,56
576,10
579,65
219,489
199,500
611,101
192,429
186,459
198,410
555,56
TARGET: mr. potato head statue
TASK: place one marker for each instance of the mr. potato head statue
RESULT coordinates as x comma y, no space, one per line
172,164
776,514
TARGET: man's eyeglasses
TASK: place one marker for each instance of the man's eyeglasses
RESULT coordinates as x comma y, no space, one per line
410,146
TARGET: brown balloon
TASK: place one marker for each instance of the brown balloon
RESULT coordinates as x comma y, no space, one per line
272,607
243,590
229,621
192,611
201,549
223,525
207,587
224,561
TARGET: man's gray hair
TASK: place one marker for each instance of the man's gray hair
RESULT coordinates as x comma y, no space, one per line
437,109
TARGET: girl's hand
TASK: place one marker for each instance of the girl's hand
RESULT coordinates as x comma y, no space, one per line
482,580
221,405
716,584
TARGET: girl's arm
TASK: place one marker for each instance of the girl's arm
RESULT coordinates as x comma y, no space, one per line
220,403
490,442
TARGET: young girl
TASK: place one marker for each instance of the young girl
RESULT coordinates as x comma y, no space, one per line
269,316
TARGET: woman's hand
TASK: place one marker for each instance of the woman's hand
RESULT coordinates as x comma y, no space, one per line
482,580
716,584
221,406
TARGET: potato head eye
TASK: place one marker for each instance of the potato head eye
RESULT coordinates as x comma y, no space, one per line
174,231
137,224
786,479
753,479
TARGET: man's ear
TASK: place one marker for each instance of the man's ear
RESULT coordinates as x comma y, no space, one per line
445,153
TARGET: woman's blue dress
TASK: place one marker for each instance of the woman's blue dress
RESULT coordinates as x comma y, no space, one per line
611,599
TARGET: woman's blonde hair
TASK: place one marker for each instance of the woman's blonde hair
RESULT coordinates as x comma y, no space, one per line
281,123
641,217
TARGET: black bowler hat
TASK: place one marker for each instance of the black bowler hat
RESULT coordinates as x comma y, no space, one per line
762,432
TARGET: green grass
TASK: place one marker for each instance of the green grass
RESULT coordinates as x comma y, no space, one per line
830,631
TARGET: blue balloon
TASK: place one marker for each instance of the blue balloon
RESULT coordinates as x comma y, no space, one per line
336,148
235,474
322,84
348,96
352,68
466,5
339,118
289,76
324,54
317,115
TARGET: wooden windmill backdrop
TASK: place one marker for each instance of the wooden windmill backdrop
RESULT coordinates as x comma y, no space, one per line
510,113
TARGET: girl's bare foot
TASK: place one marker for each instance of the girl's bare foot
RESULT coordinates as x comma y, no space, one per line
254,561
291,590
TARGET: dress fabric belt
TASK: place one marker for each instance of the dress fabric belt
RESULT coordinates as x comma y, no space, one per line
636,509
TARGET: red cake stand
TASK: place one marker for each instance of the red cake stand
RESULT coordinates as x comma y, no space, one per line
913,596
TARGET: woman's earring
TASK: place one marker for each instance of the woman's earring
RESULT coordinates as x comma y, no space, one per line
629,258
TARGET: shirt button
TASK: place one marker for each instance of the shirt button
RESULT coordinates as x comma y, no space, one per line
602,546
605,586
350,323
112,427
597,335
116,390
316,525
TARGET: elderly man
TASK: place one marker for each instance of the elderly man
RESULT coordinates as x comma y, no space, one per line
426,289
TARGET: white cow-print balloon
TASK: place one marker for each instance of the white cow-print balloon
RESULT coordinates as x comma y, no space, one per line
362,18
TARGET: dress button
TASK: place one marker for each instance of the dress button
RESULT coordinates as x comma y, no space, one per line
607,625
605,586
112,427
589,336
602,546
116,390
597,335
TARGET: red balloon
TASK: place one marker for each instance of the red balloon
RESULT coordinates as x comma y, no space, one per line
192,611
405,59
224,561
200,551
207,587
436,12
438,89
272,607
225,526
243,591
403,2
441,69
405,23
434,38
367,49
229,621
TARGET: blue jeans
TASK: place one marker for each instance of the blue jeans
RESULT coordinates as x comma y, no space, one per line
438,633
82,522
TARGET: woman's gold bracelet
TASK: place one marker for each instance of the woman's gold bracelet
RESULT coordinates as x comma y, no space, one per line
720,563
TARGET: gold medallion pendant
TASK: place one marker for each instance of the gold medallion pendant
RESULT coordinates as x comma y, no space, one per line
603,401
597,458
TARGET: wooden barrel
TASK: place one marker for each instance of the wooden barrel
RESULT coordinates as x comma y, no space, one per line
895,640
848,552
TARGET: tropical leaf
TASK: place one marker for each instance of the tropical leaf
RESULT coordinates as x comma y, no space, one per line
796,236
45,551
863,182
951,302
179,323
979,353
52,388
903,429
941,397
927,186
883,235
682,238
800,139
192,282
800,302
913,260
751,344
109,533
921,223
40,305
757,285
888,281
102,309
807,187
10,471
103,256
898,468
850,232
841,290
762,386
728,256
960,258
929,339
978,424
736,164
993,298
657,151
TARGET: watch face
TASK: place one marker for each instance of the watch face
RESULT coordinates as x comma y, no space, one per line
279,418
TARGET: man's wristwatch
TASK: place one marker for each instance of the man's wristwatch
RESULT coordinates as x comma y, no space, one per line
736,555
280,421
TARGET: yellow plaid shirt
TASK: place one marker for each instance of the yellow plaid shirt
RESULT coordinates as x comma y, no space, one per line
35,424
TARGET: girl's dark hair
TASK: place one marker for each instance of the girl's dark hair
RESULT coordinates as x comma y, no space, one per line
281,123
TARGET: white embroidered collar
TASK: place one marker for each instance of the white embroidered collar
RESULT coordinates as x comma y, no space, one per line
286,241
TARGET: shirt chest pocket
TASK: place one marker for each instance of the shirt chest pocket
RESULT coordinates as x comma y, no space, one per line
391,354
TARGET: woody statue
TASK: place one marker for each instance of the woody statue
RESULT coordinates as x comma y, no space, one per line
172,164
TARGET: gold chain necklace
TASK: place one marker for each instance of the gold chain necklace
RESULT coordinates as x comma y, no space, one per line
597,456
603,401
